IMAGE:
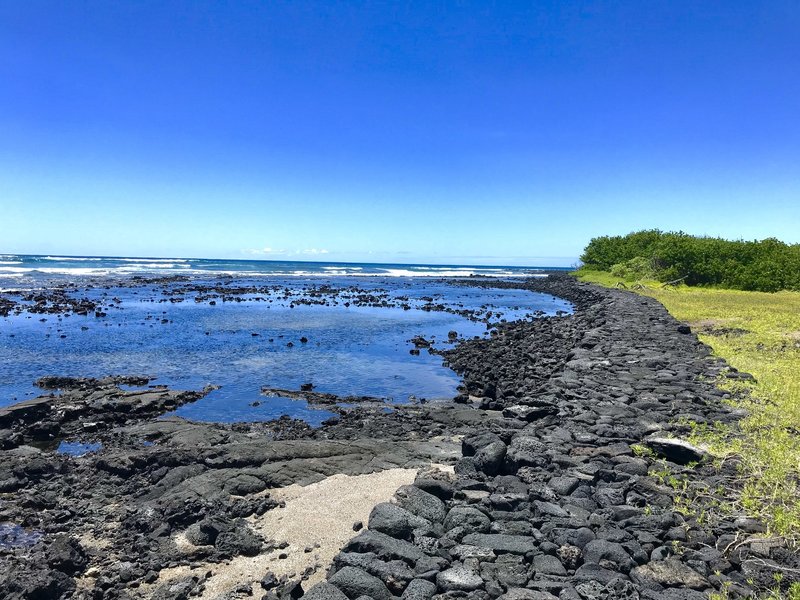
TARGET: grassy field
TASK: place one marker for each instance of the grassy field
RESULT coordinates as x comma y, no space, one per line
758,333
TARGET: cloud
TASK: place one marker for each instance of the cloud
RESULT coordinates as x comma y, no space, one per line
267,251
263,251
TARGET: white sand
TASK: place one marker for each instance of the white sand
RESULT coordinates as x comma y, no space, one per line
319,516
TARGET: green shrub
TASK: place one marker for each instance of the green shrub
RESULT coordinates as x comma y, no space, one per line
634,269
768,265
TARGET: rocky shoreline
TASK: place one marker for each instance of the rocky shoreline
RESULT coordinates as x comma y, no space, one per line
565,482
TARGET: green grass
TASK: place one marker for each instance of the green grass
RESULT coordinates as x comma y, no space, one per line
767,440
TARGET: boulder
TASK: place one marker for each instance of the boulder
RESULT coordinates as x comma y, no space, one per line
419,589
471,519
355,582
421,503
384,546
324,591
676,451
525,451
668,573
395,521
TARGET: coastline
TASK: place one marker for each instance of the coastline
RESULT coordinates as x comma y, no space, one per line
552,489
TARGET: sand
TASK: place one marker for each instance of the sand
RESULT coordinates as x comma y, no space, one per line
319,516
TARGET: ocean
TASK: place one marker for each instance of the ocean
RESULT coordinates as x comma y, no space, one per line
244,325
28,270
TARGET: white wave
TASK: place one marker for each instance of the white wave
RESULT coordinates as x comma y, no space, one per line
152,260
56,270
445,272
161,267
75,271
148,265
169,261
70,258
10,262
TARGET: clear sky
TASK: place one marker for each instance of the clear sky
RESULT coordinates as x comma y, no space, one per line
471,132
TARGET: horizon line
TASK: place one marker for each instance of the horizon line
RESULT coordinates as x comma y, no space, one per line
272,260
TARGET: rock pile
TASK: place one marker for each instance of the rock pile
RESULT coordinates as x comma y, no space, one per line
563,502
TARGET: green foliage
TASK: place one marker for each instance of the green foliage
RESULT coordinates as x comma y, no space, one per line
768,265
634,269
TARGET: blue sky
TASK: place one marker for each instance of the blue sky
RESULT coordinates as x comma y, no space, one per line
472,132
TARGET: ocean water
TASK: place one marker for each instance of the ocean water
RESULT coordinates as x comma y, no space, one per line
244,325
29,270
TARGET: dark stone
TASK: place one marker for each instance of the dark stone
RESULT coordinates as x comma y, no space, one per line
239,539
467,517
677,451
355,582
384,546
489,459
668,573
514,544
395,521
419,589
67,555
421,503
324,591
599,550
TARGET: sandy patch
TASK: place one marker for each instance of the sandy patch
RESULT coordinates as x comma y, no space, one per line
319,517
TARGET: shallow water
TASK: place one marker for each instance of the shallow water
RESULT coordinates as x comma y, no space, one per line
14,536
78,448
244,346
